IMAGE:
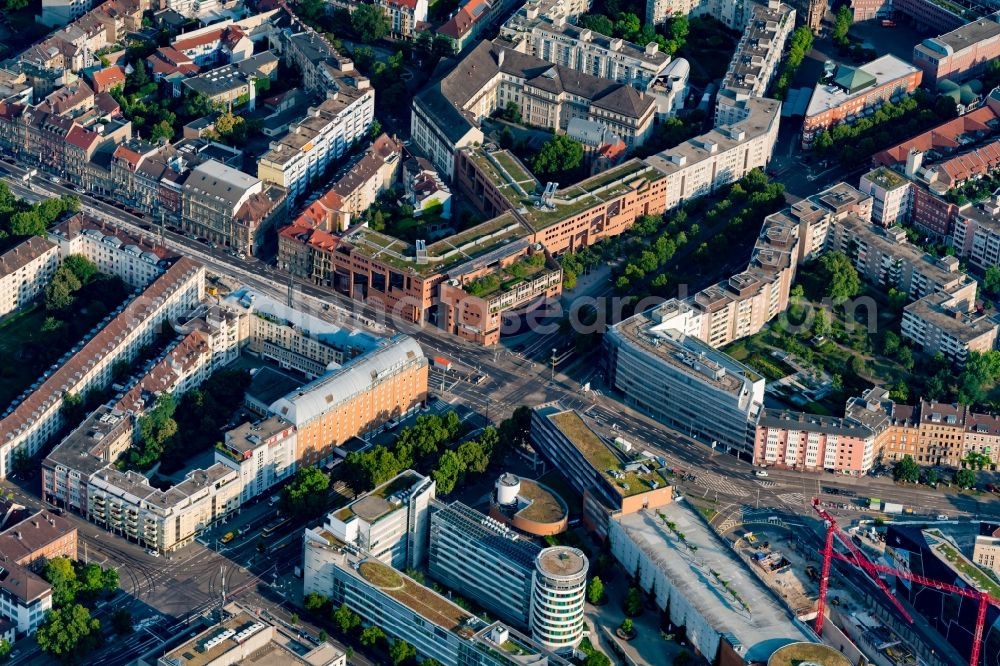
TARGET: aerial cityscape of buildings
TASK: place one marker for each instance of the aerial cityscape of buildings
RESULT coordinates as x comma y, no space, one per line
365,332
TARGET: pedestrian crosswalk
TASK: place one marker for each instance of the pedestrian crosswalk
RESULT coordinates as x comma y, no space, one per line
767,484
792,499
720,484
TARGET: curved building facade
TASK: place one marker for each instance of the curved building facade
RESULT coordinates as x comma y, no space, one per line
557,597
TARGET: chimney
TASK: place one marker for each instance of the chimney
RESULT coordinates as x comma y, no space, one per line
914,160
500,55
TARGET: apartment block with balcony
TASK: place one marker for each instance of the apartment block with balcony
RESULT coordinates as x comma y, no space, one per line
942,323
756,59
977,233
892,196
25,269
795,440
555,40
319,139
262,452
124,503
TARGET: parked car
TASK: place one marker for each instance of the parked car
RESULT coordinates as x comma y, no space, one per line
761,473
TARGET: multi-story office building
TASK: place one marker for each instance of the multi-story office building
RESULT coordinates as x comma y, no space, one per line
722,156
854,90
756,59
355,398
892,196
30,423
685,383
25,269
446,115
884,257
951,325
609,484
391,523
977,233
483,560
322,137
406,610
243,637
960,54
231,208
557,597
555,40
262,452
125,503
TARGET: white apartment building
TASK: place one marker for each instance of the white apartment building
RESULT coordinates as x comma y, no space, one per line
977,233
124,503
112,249
734,13
323,136
25,269
31,422
391,523
756,59
404,16
891,193
940,322
262,453
25,597
701,165
555,40
57,13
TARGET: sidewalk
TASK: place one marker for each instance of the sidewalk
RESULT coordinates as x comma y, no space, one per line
648,648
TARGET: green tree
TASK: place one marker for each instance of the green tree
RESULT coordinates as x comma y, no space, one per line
890,343
595,590
26,223
69,633
559,155
61,575
840,277
965,478
931,477
512,112
5,648
906,470
633,602
897,299
13,6
370,23
110,581
597,658
84,269
448,472
627,626
905,357
401,652
974,460
597,23
473,458
842,24
375,130
371,636
346,619
162,130
991,281
121,621
315,602
306,495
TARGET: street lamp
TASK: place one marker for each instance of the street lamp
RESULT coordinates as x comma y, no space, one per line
553,378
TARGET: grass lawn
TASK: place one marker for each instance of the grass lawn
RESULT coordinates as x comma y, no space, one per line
22,355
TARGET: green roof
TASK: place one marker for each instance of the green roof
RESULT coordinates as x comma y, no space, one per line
853,79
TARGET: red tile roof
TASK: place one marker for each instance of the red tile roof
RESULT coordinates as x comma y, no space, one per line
978,162
944,137
81,137
109,77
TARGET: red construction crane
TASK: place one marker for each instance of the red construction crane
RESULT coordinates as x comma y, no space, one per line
858,559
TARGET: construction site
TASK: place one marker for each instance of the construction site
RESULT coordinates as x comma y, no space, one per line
877,590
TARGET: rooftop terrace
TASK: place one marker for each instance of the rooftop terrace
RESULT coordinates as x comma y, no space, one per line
428,604
601,457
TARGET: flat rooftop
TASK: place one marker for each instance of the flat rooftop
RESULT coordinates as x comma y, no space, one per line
760,632
602,458
562,561
377,503
886,178
938,310
425,602
250,435
545,506
960,38
879,72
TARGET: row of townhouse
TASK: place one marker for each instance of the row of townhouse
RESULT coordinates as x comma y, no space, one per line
875,429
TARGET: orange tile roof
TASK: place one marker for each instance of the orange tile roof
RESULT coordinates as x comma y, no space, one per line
978,162
943,137
109,77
